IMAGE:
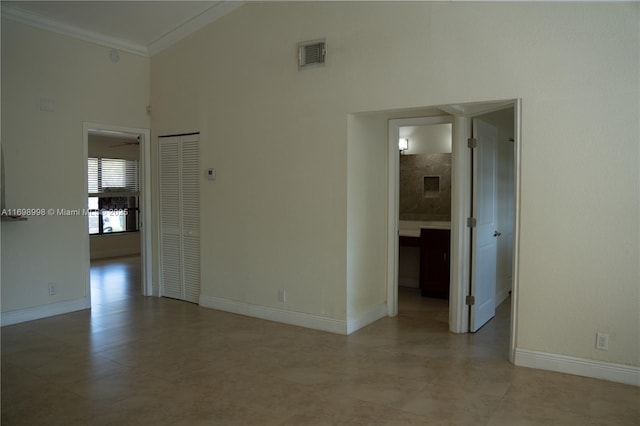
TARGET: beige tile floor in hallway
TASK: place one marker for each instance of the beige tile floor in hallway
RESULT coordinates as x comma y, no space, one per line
136,360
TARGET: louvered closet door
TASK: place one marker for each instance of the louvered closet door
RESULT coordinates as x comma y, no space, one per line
180,217
170,229
190,189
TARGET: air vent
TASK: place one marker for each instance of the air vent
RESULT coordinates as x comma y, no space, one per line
311,54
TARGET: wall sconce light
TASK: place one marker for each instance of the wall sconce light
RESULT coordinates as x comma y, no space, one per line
403,144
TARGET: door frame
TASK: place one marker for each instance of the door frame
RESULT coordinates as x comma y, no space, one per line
144,202
461,114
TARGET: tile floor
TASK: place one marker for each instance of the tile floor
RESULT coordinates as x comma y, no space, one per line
135,360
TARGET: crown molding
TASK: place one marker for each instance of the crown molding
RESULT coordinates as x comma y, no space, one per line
183,30
210,15
48,24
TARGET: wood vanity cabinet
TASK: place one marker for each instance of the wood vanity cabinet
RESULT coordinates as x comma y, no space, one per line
435,249
409,241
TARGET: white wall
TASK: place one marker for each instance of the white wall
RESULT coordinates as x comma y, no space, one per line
430,139
112,147
277,215
367,215
114,245
45,159
366,248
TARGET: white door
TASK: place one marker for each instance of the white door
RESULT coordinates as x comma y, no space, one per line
190,203
180,217
484,237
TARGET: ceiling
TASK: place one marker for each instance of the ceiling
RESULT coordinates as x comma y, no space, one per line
140,27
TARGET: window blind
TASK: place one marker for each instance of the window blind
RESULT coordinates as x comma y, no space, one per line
112,175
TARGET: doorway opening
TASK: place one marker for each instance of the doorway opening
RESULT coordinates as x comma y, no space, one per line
492,203
424,216
117,187
503,116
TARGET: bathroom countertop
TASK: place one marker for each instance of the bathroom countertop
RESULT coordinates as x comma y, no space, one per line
411,228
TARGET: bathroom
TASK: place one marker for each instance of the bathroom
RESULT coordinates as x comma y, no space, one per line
425,208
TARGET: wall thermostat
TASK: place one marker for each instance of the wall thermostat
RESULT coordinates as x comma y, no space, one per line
211,174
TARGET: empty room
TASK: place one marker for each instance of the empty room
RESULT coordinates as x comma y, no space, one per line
263,281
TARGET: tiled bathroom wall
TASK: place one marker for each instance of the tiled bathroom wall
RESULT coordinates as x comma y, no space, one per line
425,187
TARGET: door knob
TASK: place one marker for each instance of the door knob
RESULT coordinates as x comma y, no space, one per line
496,234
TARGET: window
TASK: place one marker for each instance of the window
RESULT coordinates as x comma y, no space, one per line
113,195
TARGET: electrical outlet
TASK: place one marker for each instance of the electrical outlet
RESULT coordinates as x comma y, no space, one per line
52,289
282,295
602,341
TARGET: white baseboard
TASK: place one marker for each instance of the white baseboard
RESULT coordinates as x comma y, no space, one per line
354,324
620,373
43,311
272,314
502,296
119,252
